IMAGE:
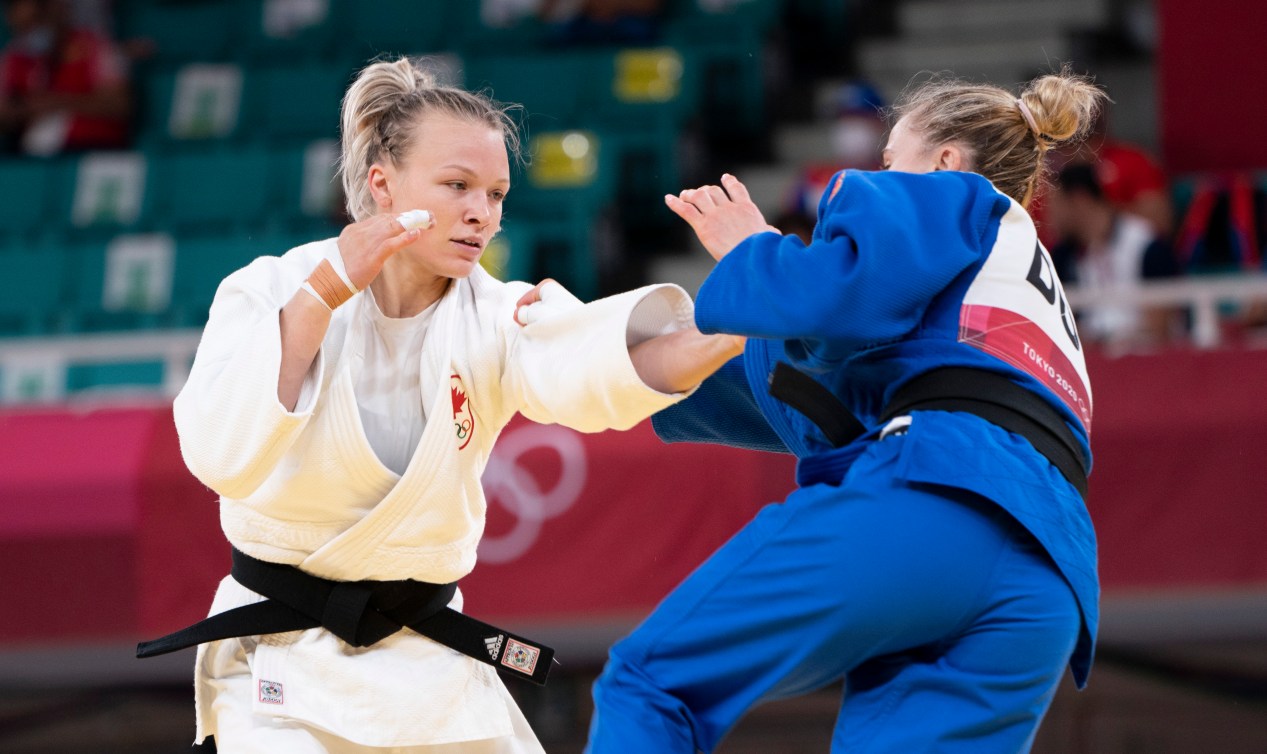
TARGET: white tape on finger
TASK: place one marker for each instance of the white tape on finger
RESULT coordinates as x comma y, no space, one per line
416,218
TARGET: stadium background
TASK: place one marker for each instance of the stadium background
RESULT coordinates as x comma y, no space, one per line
112,258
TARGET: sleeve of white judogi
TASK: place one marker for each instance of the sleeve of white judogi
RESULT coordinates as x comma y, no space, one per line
233,430
572,366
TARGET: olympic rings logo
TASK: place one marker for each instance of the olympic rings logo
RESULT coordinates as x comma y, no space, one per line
463,416
509,483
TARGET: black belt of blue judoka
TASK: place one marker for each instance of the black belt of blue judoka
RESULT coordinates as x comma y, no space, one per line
359,612
987,395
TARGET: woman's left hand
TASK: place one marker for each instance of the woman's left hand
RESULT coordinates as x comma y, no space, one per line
721,216
547,298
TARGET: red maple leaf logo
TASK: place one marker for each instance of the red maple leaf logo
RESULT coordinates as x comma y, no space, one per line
459,400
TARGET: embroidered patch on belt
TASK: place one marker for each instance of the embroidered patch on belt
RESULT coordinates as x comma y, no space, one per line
494,644
463,417
270,692
521,657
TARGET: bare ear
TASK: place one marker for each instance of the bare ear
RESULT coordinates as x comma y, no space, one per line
949,157
380,181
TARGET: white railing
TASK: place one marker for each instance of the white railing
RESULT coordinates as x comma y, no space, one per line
1204,295
52,355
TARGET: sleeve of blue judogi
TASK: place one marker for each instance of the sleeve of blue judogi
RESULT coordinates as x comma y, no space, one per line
885,245
722,411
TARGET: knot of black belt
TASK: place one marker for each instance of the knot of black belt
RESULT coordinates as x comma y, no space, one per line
361,613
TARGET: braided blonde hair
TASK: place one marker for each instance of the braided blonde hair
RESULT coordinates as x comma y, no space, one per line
381,112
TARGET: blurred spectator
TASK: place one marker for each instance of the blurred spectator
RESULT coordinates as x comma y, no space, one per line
97,15
1105,249
62,87
857,129
1130,177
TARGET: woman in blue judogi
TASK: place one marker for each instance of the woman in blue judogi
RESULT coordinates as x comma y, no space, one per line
920,359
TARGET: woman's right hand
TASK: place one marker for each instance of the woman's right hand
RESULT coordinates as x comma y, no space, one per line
721,216
367,245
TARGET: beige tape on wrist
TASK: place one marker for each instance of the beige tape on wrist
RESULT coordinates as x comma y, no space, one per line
307,287
328,286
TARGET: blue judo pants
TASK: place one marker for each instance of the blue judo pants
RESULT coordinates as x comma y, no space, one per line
949,623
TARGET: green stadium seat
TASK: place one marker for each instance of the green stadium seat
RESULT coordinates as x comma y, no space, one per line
195,102
188,30
650,97
109,192
218,189
120,284
285,102
31,188
649,166
473,29
569,192
558,90
396,27
723,54
648,84
285,31
564,159
33,306
310,196
202,262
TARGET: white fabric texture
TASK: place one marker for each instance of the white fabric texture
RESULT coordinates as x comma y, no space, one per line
306,487
387,368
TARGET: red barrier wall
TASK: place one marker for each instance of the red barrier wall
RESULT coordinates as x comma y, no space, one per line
105,536
1212,81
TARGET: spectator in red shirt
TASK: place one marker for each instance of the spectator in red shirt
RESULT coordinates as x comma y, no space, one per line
1131,179
1133,182
1127,176
61,88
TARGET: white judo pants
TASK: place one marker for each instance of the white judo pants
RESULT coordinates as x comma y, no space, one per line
241,731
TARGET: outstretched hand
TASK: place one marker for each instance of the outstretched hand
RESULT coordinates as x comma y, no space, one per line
721,216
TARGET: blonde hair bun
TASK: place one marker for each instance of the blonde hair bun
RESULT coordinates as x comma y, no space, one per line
1064,105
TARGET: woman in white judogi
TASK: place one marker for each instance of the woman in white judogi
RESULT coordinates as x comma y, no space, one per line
345,398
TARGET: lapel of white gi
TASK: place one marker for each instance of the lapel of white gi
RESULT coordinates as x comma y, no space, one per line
357,542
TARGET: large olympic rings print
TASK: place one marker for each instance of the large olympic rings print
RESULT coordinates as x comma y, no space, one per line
507,482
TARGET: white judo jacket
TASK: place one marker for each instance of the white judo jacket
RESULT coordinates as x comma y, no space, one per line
305,488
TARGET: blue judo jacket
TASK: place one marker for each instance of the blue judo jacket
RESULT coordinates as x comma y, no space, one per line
906,273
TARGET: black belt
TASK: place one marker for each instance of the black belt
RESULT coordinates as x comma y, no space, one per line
988,395
359,612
